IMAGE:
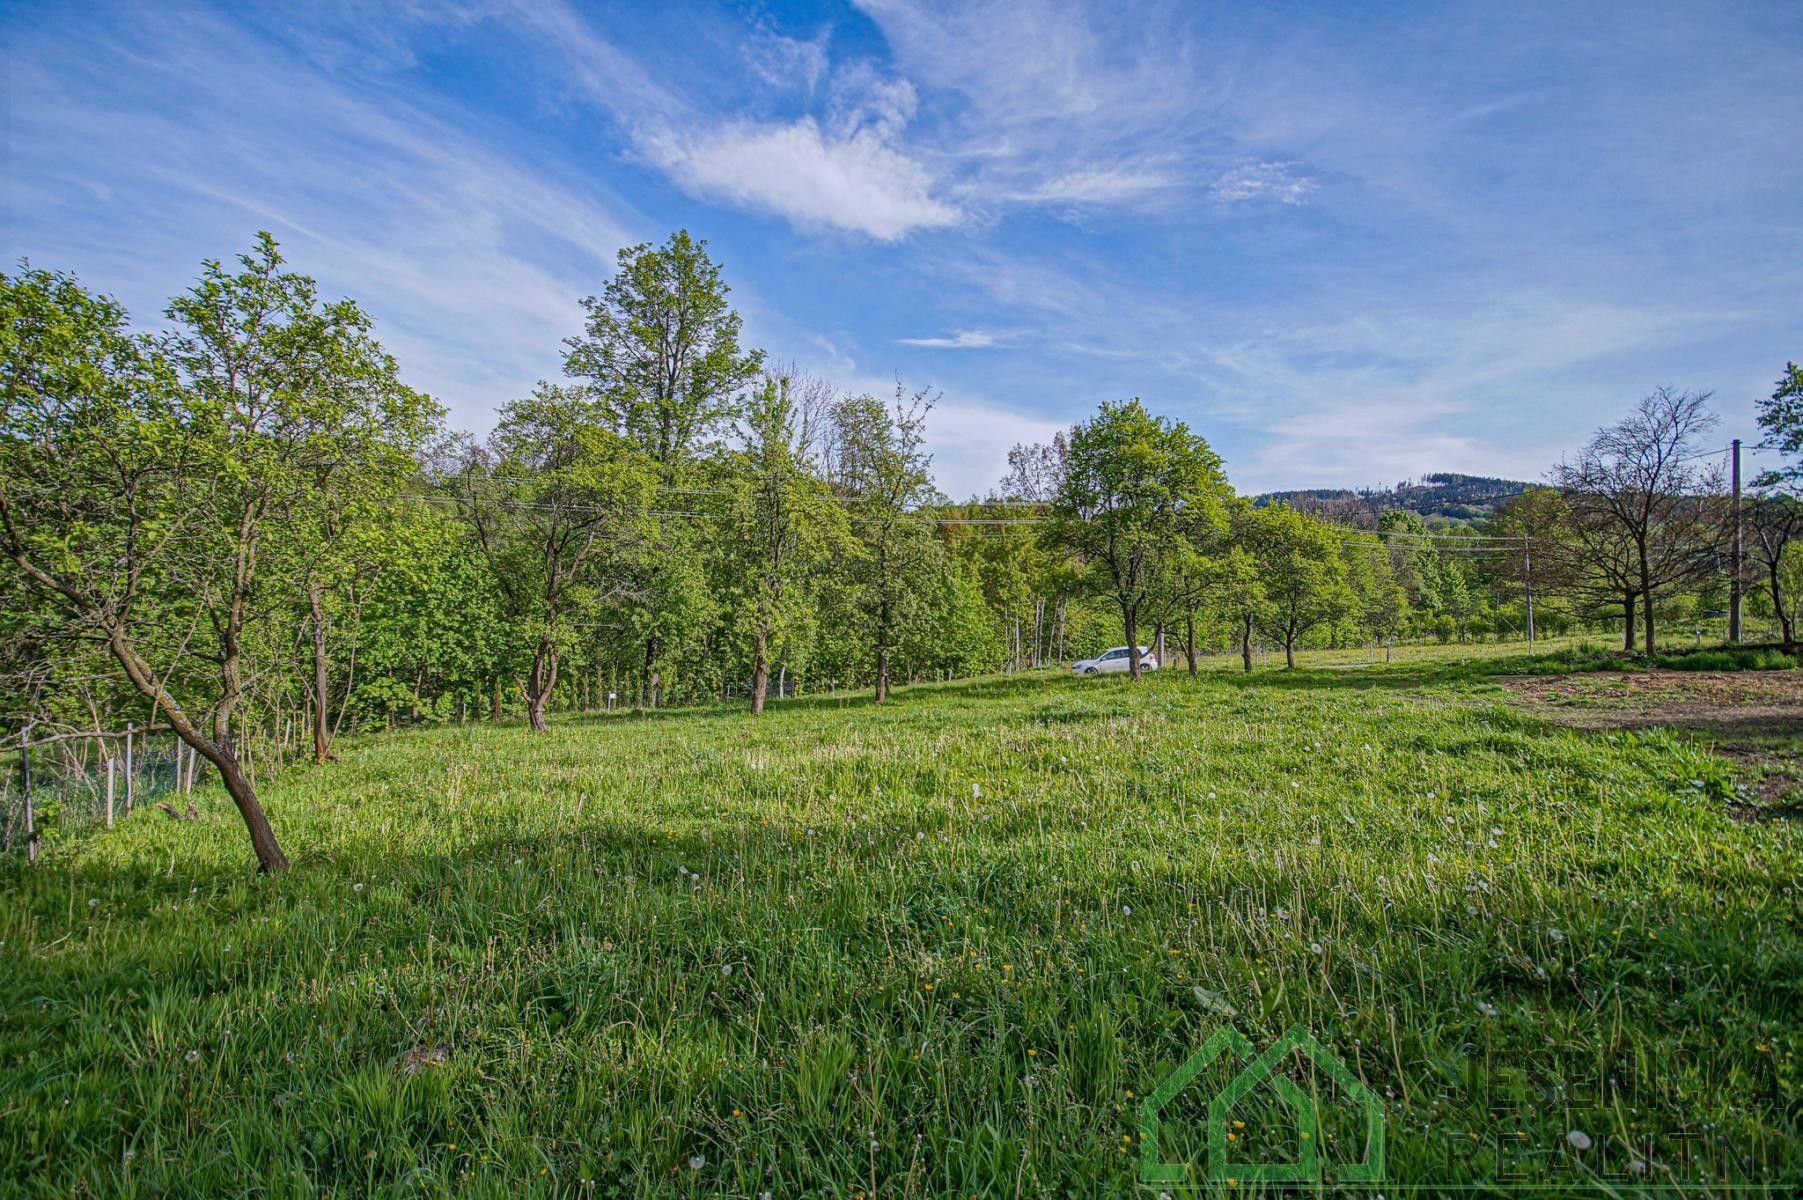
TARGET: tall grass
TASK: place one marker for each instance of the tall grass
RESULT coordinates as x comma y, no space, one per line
938,948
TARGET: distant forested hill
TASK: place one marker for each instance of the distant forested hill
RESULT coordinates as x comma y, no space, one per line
1444,496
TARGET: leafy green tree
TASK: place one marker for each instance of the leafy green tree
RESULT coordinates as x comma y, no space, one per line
559,505
301,413
661,348
783,525
426,622
1782,419
880,470
1241,586
1380,603
660,354
143,482
1134,487
954,632
1301,571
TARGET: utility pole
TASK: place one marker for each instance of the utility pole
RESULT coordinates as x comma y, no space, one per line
1527,574
1734,587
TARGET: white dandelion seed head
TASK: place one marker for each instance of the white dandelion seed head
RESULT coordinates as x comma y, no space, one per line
1126,910
1579,1140
696,1162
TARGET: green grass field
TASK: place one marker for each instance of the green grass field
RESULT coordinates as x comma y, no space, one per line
941,948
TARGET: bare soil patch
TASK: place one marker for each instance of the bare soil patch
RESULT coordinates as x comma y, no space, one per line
1754,718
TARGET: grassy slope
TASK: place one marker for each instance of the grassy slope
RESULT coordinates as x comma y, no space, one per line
804,952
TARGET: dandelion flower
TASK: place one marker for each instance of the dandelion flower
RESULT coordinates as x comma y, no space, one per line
696,1162
1579,1140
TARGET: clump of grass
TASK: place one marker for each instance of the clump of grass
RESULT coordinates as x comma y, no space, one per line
1729,659
938,948
1569,660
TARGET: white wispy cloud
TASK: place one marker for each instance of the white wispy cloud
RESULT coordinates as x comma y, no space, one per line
162,140
1276,181
969,440
785,62
852,180
961,339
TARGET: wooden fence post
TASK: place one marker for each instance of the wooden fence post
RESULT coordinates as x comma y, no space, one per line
109,791
31,837
130,728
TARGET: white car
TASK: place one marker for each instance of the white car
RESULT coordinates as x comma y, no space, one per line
1115,660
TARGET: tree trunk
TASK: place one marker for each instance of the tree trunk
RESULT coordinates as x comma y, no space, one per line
262,837
321,716
648,689
1246,643
539,685
494,708
882,654
1289,645
1189,641
1646,595
1787,622
1131,620
1630,602
1158,643
760,673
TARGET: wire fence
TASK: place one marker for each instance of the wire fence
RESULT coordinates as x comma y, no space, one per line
57,785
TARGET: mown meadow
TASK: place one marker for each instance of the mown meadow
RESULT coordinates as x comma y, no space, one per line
944,947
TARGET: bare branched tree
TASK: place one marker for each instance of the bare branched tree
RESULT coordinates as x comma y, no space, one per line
1640,487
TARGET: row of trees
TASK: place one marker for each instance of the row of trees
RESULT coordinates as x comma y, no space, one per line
245,527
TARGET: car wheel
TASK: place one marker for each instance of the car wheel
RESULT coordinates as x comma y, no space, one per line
1089,670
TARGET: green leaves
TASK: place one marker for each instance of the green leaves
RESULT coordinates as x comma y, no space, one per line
1781,417
661,348
1141,502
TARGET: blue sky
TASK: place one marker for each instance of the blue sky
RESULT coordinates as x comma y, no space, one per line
1348,243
